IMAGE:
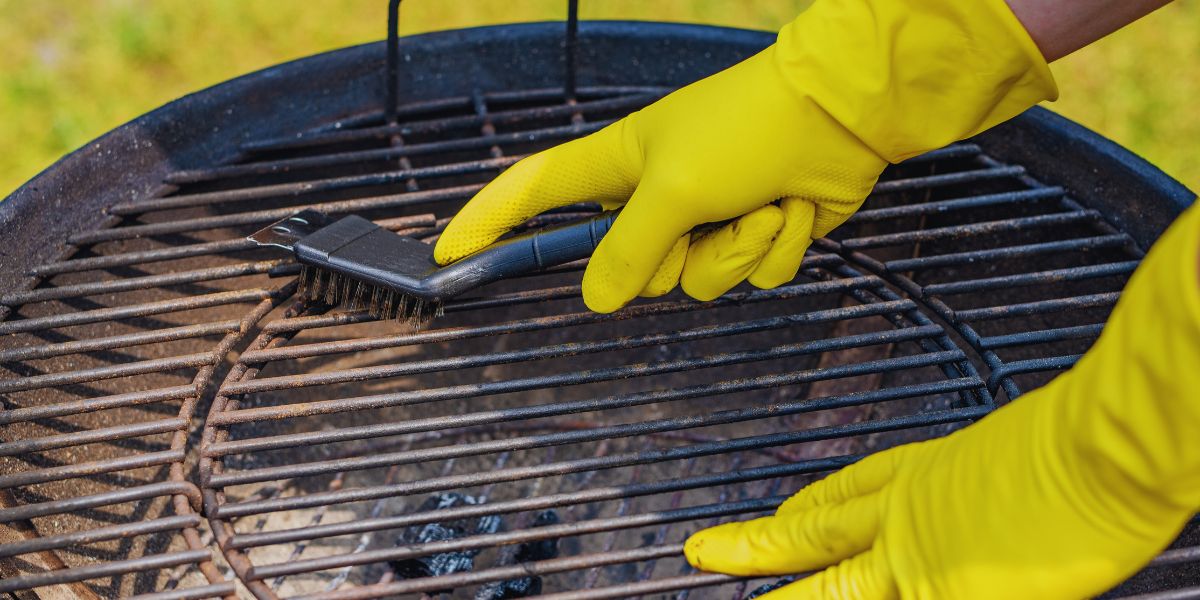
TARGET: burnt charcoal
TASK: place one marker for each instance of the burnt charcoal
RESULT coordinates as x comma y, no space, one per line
540,549
769,587
527,552
513,588
448,562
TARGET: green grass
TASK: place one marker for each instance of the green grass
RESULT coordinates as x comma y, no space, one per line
73,69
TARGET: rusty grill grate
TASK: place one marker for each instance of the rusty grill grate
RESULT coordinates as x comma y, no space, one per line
520,441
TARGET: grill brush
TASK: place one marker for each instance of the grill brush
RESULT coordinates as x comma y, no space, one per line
355,262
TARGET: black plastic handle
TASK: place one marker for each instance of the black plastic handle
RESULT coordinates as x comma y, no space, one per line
524,254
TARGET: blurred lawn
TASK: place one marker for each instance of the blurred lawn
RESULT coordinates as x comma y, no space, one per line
72,69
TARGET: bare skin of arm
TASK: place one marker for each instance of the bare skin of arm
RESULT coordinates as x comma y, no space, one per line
1060,27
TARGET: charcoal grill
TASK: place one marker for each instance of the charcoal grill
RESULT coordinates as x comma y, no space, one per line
177,423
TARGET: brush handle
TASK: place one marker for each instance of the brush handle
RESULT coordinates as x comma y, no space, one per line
541,249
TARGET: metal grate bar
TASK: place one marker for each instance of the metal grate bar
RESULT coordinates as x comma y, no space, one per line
1042,336
138,283
646,587
1035,278
593,434
997,254
515,537
535,324
118,341
556,380
109,372
267,216
144,309
107,569
504,117
959,231
1039,308
91,436
591,494
545,567
559,350
548,134
99,535
1033,365
241,509
216,590
125,259
85,469
931,181
942,206
313,186
81,503
46,411
612,97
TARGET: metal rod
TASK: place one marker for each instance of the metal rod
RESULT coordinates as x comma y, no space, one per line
583,496
647,427
481,418
74,407
417,114
82,503
215,590
127,284
109,372
951,152
630,590
453,392
571,51
91,436
267,216
124,259
313,186
117,341
960,231
1042,336
1036,278
943,206
253,507
536,324
539,568
512,117
111,532
392,82
86,469
107,569
134,310
515,537
566,349
288,165
997,254
931,181
1040,307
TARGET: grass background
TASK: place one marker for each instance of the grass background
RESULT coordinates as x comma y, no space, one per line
72,69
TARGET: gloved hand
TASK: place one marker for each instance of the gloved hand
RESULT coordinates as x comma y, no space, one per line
811,122
1061,494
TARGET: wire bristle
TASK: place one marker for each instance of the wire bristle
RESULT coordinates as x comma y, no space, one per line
320,285
302,280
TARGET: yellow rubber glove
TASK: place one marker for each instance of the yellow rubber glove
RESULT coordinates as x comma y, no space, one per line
1061,494
811,122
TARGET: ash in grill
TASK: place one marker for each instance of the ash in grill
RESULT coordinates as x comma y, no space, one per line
162,368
